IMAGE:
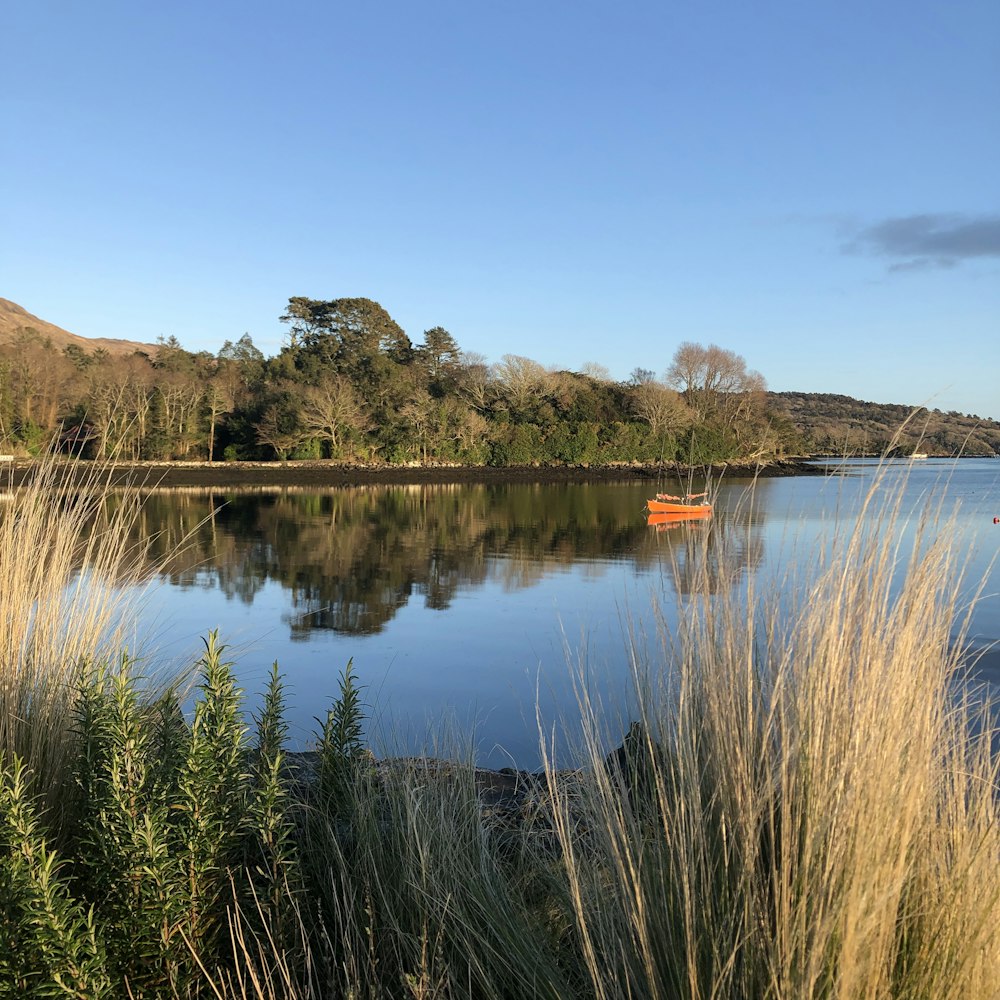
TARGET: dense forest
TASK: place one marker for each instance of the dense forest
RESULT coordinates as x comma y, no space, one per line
349,385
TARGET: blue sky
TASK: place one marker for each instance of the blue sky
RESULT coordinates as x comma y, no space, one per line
813,185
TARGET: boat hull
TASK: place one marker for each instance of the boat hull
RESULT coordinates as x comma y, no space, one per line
670,507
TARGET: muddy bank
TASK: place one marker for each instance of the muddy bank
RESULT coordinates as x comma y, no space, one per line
224,475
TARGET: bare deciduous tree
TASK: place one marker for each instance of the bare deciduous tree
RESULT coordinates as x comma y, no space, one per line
465,426
119,405
332,410
705,376
662,408
596,371
473,379
278,429
218,401
640,376
418,415
519,379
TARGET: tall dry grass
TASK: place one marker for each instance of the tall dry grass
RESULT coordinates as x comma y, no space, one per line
69,563
806,811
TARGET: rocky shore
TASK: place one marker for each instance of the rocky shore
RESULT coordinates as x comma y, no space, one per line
507,796
322,474
510,801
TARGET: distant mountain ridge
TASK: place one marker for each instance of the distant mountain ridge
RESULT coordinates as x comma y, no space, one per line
14,318
831,424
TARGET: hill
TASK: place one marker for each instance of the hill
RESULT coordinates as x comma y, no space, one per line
15,318
831,424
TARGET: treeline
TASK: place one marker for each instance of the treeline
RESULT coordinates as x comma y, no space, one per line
350,385
838,425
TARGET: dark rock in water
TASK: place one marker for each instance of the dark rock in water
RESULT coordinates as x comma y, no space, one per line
507,796
632,766
514,806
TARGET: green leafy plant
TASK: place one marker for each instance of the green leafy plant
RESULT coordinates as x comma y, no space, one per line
341,744
49,942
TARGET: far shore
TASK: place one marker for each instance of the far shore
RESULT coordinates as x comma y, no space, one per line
319,474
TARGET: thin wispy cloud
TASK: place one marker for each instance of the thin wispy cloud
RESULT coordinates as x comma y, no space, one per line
915,242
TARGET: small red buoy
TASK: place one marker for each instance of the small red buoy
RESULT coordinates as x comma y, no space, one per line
996,520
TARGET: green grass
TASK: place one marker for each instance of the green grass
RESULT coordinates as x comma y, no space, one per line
803,812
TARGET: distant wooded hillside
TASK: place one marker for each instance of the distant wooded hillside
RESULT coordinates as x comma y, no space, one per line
836,425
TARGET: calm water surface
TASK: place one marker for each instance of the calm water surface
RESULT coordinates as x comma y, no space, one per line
468,606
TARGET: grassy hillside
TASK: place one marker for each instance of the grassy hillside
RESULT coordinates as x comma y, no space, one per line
832,424
15,318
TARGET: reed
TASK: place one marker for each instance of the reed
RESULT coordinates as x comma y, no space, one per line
805,811
68,565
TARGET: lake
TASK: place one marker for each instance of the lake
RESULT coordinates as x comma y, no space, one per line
466,607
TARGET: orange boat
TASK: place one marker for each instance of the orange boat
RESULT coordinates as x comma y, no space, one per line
664,503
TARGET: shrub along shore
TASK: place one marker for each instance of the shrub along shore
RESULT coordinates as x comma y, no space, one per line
801,811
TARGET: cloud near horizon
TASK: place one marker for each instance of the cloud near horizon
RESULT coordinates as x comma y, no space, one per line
929,240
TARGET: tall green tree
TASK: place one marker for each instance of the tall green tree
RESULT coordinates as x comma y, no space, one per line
439,356
349,334
242,367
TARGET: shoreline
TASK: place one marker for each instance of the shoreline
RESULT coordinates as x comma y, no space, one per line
320,474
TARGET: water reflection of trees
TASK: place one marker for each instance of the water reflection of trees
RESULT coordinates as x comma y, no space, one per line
350,559
708,556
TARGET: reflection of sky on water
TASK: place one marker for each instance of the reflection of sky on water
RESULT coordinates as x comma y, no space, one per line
478,664
514,623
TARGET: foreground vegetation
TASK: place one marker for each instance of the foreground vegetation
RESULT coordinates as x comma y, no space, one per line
802,810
